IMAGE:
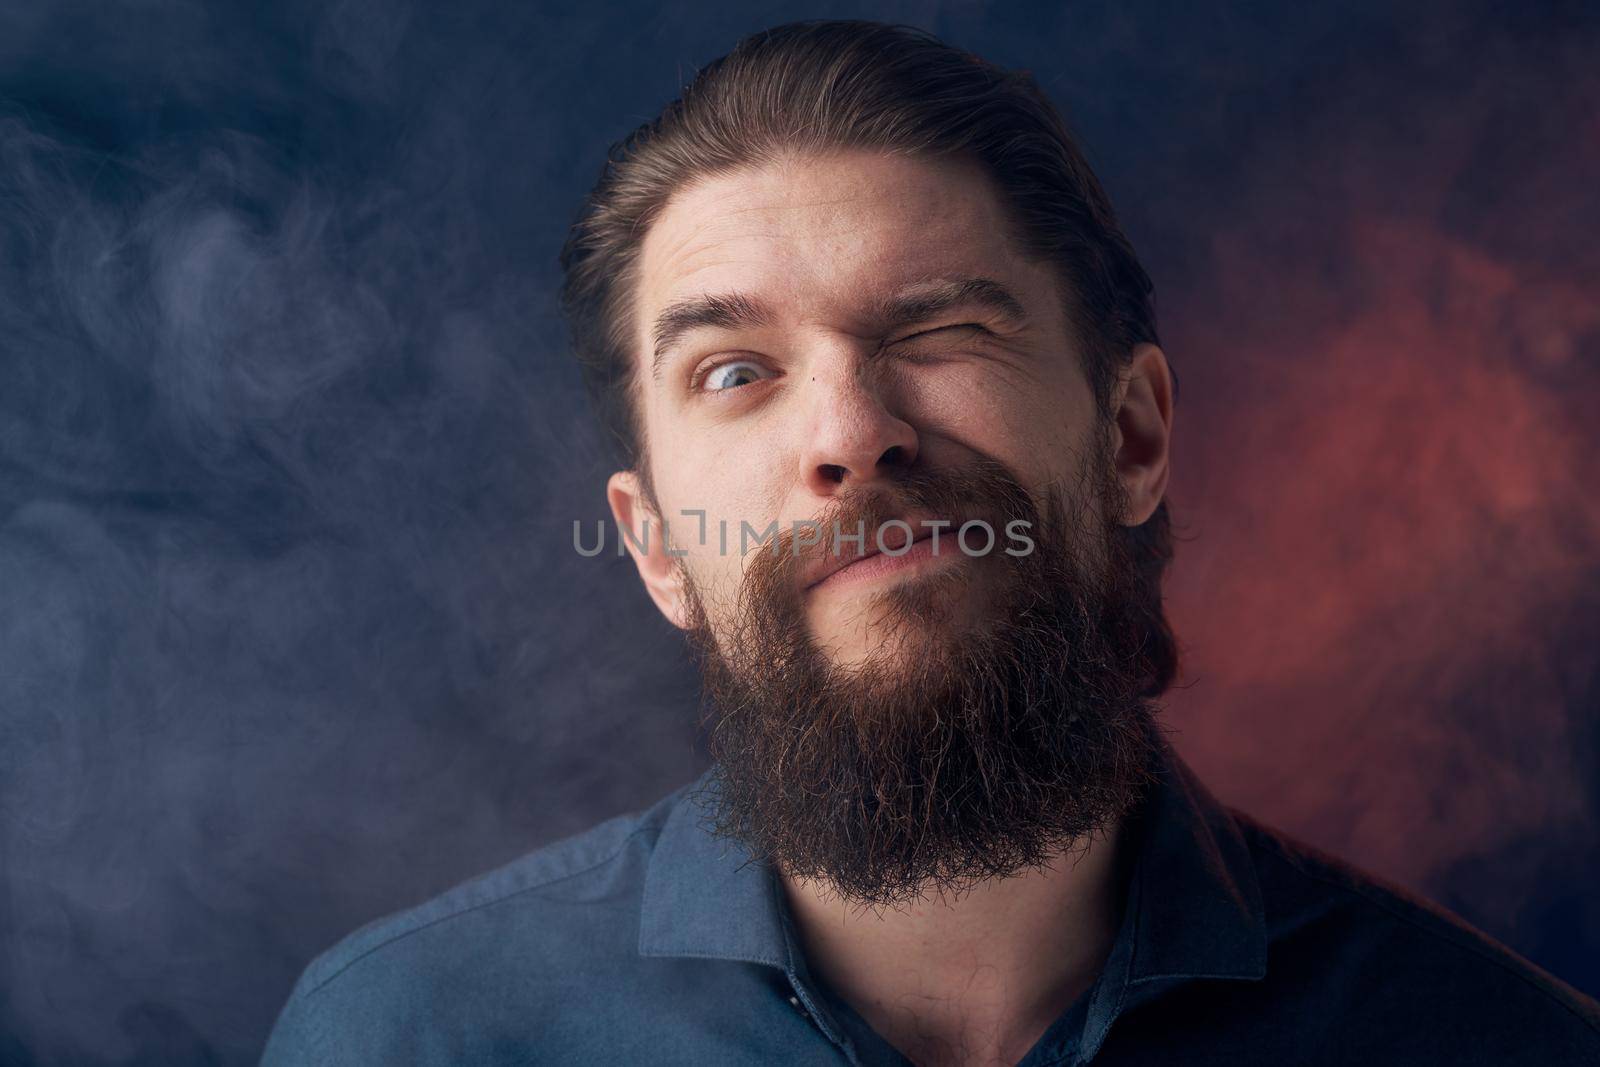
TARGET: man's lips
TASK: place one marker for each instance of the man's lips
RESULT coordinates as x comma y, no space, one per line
820,568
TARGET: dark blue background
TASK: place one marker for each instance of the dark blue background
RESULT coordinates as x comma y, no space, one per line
291,632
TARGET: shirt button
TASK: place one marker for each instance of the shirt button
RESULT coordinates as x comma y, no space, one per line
799,1008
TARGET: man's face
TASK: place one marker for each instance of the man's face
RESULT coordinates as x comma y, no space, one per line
782,420
843,341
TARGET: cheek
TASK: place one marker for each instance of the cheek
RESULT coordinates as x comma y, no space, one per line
716,495
719,499
1032,424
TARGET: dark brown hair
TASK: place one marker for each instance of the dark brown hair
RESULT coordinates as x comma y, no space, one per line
826,85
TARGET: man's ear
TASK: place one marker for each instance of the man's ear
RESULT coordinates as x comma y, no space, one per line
1142,431
641,529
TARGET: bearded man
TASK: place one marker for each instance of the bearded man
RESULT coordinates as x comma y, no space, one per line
859,290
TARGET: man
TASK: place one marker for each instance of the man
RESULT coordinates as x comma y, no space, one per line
859,291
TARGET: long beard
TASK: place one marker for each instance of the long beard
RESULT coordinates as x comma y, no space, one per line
970,749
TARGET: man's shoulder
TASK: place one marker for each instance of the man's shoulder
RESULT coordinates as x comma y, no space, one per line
1380,948
554,919
551,879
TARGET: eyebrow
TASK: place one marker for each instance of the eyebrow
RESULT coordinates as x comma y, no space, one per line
737,311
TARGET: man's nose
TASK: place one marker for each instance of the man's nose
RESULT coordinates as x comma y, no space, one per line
855,436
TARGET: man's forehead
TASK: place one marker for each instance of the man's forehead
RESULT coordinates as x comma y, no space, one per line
901,226
834,185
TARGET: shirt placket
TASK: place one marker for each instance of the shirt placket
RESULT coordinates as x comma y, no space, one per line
804,1002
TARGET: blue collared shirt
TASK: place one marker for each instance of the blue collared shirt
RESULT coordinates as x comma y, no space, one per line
648,941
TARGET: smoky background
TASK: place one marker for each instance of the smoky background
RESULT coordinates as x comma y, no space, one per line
292,632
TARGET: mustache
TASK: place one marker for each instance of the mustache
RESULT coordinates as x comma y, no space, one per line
985,489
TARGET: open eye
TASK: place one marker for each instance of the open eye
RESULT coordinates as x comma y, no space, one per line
731,375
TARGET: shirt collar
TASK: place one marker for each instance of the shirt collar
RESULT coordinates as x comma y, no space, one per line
707,896
1194,902
1193,908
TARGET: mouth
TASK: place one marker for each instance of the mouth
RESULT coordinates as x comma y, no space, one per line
871,562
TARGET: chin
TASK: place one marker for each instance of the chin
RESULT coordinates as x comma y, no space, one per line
895,652
898,629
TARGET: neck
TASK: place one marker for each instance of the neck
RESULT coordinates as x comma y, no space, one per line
976,979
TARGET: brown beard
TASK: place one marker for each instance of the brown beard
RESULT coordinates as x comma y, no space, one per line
970,749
